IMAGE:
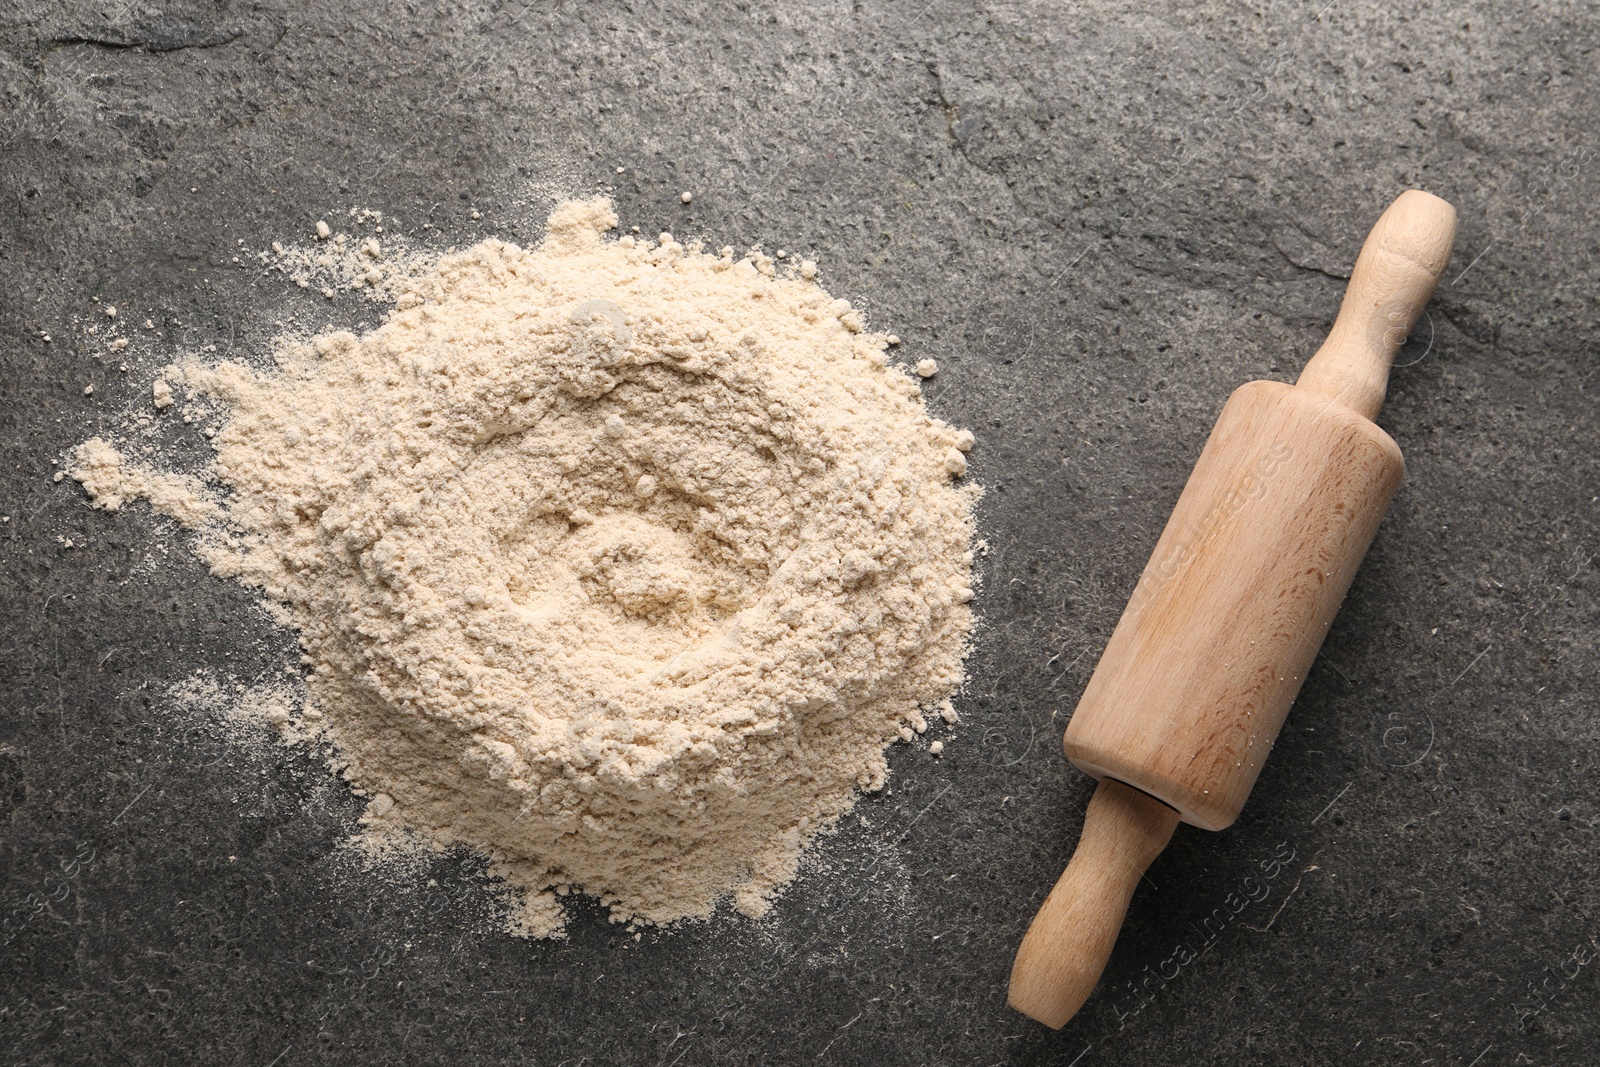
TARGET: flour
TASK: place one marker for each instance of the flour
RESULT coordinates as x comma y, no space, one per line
363,259
112,481
618,561
241,710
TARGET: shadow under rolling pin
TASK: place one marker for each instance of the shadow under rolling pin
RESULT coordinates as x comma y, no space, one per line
1199,674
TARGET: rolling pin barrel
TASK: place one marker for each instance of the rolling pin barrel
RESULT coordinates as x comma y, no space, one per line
1232,608
1224,624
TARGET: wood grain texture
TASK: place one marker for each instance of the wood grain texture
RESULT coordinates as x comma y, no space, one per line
1190,692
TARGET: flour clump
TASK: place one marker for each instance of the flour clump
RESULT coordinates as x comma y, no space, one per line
618,561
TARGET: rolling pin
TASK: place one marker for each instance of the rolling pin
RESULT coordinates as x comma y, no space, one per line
1229,613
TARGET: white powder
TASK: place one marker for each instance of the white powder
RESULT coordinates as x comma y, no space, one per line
112,481
378,267
238,708
620,562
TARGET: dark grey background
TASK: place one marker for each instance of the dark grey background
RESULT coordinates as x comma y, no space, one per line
1100,219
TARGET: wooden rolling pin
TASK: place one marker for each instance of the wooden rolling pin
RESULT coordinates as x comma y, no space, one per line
1231,609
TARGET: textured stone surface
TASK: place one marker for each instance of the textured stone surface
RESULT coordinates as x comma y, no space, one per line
1099,219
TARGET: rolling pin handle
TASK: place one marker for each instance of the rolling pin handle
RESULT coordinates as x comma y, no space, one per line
1393,279
1070,940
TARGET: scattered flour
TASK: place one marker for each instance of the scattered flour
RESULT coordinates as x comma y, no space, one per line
284,707
364,259
617,561
112,481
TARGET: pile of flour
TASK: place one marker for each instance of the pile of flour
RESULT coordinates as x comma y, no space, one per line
618,561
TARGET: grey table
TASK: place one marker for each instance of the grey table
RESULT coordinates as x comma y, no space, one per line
1099,219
